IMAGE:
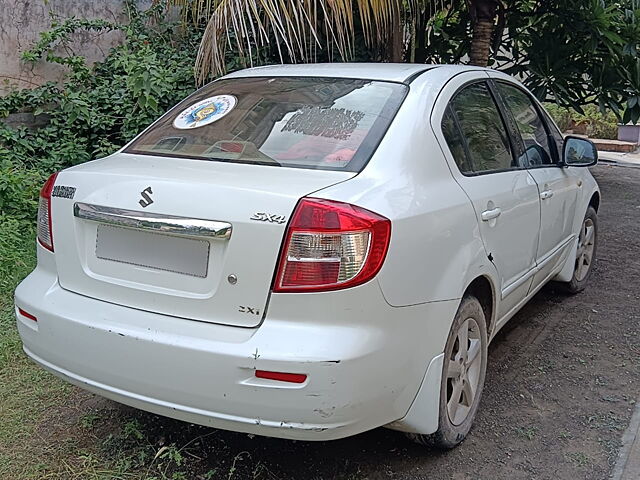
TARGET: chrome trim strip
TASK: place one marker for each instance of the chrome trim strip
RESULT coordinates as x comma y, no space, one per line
193,227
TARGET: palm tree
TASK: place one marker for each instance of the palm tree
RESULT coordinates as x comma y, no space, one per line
302,29
483,17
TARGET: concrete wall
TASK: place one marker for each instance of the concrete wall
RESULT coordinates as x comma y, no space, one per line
22,20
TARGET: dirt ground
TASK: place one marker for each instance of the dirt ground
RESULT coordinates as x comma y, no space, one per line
562,382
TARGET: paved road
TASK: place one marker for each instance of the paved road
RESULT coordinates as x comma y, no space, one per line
625,158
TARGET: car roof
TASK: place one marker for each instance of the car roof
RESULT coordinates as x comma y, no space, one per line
391,72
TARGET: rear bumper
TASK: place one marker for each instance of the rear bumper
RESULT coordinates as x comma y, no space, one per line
365,360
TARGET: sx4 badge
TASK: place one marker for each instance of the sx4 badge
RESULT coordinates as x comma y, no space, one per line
268,217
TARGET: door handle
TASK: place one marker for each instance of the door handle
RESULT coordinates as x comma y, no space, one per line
491,214
546,194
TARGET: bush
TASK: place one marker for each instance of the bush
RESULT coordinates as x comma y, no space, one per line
93,113
97,110
16,251
561,115
592,122
19,188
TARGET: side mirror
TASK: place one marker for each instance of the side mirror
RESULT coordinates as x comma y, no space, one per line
578,152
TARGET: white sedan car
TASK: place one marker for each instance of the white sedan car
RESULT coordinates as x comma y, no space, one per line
310,252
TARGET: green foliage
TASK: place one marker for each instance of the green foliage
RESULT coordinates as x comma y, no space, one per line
16,254
579,53
571,52
59,33
449,39
18,190
94,112
592,120
131,450
561,115
100,108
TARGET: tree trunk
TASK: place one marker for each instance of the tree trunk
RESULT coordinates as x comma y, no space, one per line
397,37
421,38
483,16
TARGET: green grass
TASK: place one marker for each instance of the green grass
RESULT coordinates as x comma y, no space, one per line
27,392
43,434
50,429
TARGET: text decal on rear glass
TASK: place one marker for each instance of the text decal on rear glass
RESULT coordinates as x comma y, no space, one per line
337,123
63,192
205,112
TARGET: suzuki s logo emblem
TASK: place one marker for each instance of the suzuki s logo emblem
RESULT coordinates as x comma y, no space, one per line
146,199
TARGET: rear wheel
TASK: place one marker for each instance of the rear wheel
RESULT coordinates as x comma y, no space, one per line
463,374
585,253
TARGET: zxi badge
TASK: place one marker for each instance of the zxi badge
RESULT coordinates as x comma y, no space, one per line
146,199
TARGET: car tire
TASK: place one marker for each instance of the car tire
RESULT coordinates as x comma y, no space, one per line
585,254
463,374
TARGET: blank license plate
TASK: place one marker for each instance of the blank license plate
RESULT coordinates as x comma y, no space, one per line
153,250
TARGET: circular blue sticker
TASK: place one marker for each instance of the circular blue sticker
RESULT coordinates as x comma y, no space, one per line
205,112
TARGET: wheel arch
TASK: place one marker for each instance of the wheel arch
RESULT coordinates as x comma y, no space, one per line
423,416
566,273
483,289
595,201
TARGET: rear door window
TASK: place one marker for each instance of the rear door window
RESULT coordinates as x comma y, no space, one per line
318,123
483,130
455,141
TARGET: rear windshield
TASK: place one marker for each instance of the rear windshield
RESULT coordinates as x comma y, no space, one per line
318,123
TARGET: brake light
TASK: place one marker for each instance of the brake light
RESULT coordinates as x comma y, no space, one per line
45,236
331,245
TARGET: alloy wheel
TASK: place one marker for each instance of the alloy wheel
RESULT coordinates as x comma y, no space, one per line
463,371
584,254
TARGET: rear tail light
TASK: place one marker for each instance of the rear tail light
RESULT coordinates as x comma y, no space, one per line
45,237
331,245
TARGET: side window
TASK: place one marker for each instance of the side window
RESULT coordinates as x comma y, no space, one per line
455,141
530,125
482,129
